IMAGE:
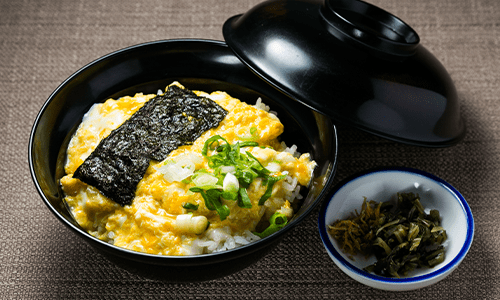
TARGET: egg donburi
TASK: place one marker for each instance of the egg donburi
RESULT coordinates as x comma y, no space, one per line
233,185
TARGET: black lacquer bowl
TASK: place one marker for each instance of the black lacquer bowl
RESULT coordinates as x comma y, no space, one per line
200,65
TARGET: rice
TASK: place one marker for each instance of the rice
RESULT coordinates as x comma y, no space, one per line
219,239
147,225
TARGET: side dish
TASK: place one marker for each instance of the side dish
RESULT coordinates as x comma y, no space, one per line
402,235
182,172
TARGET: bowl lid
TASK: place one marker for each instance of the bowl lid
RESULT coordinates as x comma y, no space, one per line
354,62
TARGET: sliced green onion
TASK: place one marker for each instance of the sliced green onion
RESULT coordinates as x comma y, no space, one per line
254,135
276,222
248,144
177,170
270,183
204,179
234,171
245,177
210,142
208,201
230,195
258,167
208,187
221,209
226,169
191,206
212,201
243,199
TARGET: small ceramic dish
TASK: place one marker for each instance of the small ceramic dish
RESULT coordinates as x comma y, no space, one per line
382,185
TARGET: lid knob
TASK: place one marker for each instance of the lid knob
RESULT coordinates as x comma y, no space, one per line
364,25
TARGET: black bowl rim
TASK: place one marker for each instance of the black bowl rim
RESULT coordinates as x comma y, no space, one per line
141,256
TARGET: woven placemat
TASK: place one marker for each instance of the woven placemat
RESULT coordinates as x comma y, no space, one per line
43,42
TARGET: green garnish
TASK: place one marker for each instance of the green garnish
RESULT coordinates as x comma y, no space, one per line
254,135
229,195
270,183
276,222
248,144
403,236
212,201
191,206
246,168
243,199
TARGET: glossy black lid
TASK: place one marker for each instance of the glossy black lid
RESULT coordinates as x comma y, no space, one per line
354,62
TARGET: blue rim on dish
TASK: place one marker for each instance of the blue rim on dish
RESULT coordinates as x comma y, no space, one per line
453,263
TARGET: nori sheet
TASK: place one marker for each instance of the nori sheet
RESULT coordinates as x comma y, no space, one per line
163,124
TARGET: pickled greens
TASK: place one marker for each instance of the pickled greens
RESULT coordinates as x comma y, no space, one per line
401,235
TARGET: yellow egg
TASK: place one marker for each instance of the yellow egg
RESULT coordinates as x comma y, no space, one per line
150,223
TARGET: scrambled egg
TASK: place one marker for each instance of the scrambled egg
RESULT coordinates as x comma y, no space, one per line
149,223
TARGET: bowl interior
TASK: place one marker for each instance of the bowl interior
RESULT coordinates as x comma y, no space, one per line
198,65
383,185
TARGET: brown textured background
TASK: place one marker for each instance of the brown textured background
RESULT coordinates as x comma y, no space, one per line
43,42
